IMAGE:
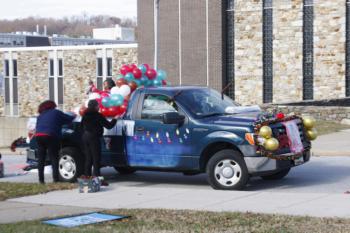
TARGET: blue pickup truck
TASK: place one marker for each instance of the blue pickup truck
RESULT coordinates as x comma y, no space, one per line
190,130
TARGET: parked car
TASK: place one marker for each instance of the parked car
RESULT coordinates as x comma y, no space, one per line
192,130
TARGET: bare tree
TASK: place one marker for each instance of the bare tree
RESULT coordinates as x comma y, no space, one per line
75,26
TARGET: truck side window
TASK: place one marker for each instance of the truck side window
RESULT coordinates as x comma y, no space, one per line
154,106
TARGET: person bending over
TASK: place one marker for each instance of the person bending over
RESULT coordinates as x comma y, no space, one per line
48,136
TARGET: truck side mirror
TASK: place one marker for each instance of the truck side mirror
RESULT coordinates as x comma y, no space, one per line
173,118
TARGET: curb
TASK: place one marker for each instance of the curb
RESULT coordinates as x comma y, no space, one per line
317,153
7,151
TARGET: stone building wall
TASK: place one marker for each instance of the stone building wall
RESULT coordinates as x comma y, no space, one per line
248,51
123,56
325,113
33,80
79,68
329,49
288,51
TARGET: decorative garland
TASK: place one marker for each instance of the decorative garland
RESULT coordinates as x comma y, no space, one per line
269,119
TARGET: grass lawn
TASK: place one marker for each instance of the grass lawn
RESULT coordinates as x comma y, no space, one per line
194,221
11,190
327,127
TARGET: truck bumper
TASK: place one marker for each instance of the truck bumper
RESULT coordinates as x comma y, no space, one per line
263,165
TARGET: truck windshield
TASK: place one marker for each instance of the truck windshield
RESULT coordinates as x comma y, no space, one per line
205,102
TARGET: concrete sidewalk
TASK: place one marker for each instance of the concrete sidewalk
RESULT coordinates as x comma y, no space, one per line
317,188
335,144
11,212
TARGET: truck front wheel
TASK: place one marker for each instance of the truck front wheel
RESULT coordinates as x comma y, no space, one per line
70,164
227,170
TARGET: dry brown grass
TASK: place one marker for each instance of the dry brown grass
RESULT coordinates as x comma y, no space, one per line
159,220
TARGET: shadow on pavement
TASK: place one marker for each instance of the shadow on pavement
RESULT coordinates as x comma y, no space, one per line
316,175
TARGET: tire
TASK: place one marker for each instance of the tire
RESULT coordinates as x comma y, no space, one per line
229,163
276,176
125,170
70,164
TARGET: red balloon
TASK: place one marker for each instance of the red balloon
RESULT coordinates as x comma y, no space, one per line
132,67
113,111
104,111
121,82
132,86
99,101
137,73
151,73
124,70
104,94
123,108
82,110
147,66
164,82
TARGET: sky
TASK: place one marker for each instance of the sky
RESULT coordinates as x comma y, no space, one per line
12,9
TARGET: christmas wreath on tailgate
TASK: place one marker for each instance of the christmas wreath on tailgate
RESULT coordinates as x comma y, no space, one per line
114,102
279,133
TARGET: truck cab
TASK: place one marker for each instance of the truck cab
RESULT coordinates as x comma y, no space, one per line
191,130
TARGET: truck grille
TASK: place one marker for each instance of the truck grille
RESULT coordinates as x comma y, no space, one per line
280,133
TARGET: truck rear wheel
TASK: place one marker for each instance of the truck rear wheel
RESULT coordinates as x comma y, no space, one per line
70,164
227,170
276,176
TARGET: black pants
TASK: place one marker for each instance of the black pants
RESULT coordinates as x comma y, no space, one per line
92,149
48,145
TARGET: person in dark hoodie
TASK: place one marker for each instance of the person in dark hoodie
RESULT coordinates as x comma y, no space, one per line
48,134
92,125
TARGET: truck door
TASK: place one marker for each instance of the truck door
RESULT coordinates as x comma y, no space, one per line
155,144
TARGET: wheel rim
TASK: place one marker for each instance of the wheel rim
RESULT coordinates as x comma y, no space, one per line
227,172
67,167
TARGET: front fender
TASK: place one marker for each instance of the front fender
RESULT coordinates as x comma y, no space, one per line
219,136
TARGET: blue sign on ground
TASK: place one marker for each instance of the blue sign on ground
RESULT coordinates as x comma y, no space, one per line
85,219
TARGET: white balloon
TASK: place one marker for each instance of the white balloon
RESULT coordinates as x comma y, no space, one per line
94,96
114,90
124,90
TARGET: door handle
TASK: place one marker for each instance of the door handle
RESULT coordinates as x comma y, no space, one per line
140,128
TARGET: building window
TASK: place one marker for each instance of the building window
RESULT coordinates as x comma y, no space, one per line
14,68
104,64
60,67
99,74
267,51
7,68
308,54
347,53
56,73
51,68
229,81
11,84
109,67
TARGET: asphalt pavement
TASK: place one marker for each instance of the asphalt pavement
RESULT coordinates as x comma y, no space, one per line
317,188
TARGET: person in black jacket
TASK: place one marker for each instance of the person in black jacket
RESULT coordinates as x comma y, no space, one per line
92,124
